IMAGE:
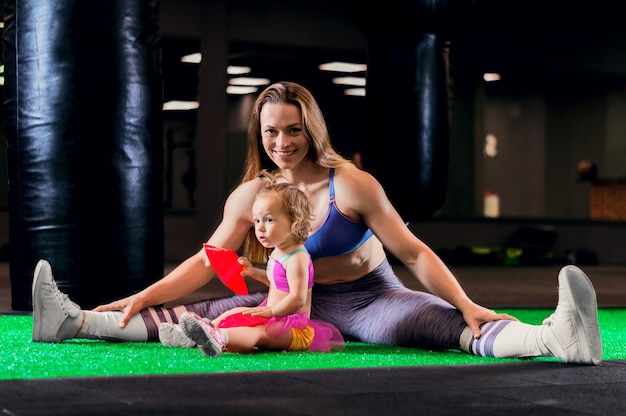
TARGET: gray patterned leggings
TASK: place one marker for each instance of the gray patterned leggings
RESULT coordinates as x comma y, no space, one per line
376,309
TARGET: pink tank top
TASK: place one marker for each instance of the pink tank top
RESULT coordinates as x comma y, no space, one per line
280,274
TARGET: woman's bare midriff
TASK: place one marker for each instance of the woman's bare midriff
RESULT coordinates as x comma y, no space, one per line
351,266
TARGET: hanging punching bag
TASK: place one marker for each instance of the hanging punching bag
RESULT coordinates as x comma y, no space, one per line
407,95
84,146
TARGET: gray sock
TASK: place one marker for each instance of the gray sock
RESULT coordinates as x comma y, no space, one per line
106,326
507,339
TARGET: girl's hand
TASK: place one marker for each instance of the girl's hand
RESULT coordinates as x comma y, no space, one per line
258,274
247,266
263,311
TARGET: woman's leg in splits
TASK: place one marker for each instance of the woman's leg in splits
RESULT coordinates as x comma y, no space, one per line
378,309
56,318
571,332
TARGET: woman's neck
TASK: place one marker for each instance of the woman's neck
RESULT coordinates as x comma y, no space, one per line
306,174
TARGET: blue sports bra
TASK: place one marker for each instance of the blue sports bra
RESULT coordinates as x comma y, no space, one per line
338,234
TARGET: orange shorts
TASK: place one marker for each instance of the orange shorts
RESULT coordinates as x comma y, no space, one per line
301,339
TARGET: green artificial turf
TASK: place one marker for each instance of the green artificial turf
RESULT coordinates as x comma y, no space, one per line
20,358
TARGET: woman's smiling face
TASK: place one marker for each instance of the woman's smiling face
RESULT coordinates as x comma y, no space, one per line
282,133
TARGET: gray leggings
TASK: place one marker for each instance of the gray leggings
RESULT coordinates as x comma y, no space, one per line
376,309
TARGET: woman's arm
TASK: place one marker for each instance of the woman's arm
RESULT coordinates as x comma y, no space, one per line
367,197
193,273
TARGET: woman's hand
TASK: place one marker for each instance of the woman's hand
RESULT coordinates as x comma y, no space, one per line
476,315
129,306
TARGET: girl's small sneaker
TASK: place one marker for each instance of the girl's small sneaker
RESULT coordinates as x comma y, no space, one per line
171,335
203,333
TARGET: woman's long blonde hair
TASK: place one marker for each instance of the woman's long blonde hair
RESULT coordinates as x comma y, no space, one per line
321,151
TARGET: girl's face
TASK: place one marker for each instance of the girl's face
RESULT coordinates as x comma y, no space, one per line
283,136
272,226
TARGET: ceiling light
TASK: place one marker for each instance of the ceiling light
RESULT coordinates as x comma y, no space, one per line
237,70
240,90
180,105
357,81
248,81
343,67
491,76
358,92
194,58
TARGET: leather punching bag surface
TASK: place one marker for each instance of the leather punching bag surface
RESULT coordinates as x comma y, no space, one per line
84,146
407,94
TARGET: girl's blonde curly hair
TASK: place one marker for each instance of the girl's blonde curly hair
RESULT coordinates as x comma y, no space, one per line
295,202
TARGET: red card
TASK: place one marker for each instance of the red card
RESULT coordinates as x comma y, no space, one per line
227,267
239,319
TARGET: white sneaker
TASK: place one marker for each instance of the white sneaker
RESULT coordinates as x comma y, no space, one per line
574,323
54,315
205,335
171,335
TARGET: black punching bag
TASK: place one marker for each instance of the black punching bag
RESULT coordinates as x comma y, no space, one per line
407,94
84,146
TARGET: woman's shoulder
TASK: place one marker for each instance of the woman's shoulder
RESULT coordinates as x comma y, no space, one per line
353,176
252,185
246,191
356,191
